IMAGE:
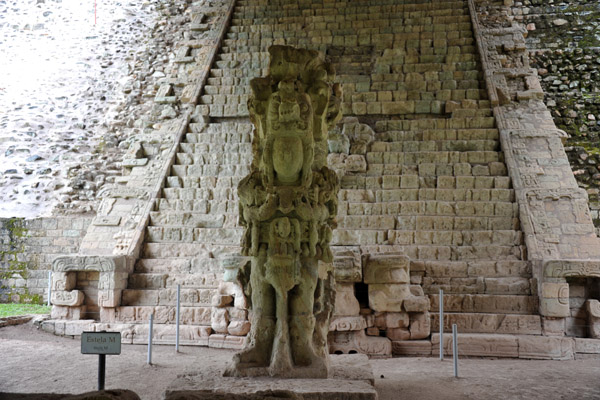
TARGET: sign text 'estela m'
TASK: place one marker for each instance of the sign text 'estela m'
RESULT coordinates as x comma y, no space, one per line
101,343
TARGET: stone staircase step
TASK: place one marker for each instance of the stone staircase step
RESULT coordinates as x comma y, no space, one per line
430,208
197,182
203,148
226,89
168,297
411,146
201,264
430,176
425,194
372,238
219,138
190,315
486,303
433,157
438,124
518,324
234,171
189,250
473,269
220,236
171,279
432,134
438,237
191,219
200,193
198,206
229,158
477,285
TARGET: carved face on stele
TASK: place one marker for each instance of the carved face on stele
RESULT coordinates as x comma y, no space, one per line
289,122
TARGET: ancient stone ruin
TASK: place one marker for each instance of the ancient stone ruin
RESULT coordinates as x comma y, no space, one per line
452,176
288,205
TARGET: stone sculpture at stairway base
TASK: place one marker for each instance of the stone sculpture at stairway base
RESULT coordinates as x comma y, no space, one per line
288,205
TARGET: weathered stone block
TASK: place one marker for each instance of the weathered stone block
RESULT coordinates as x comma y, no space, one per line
347,324
347,266
109,298
546,348
420,325
355,163
593,310
63,312
388,297
391,320
478,345
385,268
346,303
413,348
553,326
397,334
358,342
63,281
71,298
238,328
219,320
417,304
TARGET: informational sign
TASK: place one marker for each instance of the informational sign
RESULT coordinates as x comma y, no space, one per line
101,343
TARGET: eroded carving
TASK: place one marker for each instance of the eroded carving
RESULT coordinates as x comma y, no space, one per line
288,203
82,263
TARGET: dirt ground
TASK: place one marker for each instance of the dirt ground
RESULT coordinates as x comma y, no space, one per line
32,361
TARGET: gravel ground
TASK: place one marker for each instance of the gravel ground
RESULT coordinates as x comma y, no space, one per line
33,361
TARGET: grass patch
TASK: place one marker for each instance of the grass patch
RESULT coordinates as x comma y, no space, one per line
12,309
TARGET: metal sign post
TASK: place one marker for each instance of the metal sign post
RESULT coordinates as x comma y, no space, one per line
101,343
177,318
49,287
150,339
455,349
441,301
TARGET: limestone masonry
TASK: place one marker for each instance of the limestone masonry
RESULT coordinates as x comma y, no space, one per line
452,172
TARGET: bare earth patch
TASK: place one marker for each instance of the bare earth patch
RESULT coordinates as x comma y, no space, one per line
33,361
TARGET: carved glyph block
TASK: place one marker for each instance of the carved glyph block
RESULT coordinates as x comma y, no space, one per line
388,297
417,304
347,324
71,298
64,312
349,342
238,328
420,325
554,301
593,309
540,347
345,300
219,320
478,345
63,281
112,280
391,320
347,267
109,298
387,269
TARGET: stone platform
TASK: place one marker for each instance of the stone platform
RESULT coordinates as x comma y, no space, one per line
352,379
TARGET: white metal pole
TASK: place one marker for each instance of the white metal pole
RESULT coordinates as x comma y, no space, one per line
441,300
150,338
455,350
177,318
49,286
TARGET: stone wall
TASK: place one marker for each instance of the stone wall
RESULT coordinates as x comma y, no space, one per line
27,248
564,40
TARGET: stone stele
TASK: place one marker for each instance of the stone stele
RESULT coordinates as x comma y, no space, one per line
288,205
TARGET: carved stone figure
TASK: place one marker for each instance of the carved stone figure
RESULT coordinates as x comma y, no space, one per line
288,205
